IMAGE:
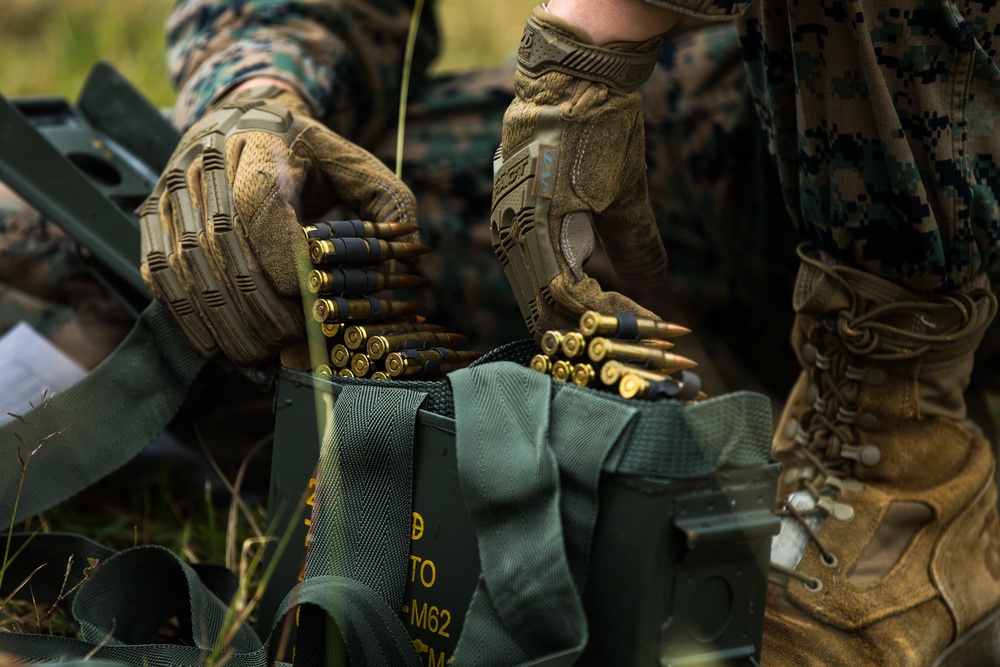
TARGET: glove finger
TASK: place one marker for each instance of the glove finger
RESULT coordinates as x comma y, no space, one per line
266,182
572,290
233,250
632,240
191,261
572,297
163,282
359,179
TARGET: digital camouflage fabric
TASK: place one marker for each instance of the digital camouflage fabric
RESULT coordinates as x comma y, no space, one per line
344,57
43,282
880,117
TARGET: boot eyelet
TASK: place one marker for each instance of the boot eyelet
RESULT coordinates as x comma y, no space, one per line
814,585
841,512
870,455
846,416
875,376
795,475
829,559
809,354
867,421
853,486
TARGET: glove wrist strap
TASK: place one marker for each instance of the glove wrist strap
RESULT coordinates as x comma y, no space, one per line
545,49
267,94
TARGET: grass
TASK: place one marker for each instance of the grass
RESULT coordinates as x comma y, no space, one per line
48,46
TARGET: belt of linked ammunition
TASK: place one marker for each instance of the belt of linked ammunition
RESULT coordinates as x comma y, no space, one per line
620,352
363,331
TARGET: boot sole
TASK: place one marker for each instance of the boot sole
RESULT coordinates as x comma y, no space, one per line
979,647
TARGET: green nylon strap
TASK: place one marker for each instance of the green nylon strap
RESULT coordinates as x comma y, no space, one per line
355,569
101,422
529,468
122,588
361,519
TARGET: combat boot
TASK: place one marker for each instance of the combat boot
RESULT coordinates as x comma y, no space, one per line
889,551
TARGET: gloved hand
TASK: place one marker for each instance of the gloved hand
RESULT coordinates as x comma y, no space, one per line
572,161
222,244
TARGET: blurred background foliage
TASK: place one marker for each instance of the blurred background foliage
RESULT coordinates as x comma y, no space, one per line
48,46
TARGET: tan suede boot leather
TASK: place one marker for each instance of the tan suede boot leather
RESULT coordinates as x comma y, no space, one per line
889,552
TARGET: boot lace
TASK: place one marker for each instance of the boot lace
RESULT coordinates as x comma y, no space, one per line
826,438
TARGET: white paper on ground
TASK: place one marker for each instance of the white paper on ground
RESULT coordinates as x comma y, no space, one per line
30,365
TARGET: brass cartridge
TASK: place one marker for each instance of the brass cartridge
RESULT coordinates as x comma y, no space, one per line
332,329
361,365
426,363
346,228
583,374
633,386
356,336
340,356
612,371
627,325
573,344
381,345
352,251
602,348
551,342
541,363
353,281
338,309
562,370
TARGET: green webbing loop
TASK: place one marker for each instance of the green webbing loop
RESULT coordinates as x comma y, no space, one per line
124,587
355,570
101,422
361,520
529,467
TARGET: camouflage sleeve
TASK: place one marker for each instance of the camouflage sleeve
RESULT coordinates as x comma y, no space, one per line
713,10
343,56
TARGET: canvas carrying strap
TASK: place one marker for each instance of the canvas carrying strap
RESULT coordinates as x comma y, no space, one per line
100,423
354,572
529,465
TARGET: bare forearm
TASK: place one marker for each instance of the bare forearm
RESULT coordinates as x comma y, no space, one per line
615,20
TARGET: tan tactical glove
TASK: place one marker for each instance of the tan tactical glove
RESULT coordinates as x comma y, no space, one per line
222,245
572,160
